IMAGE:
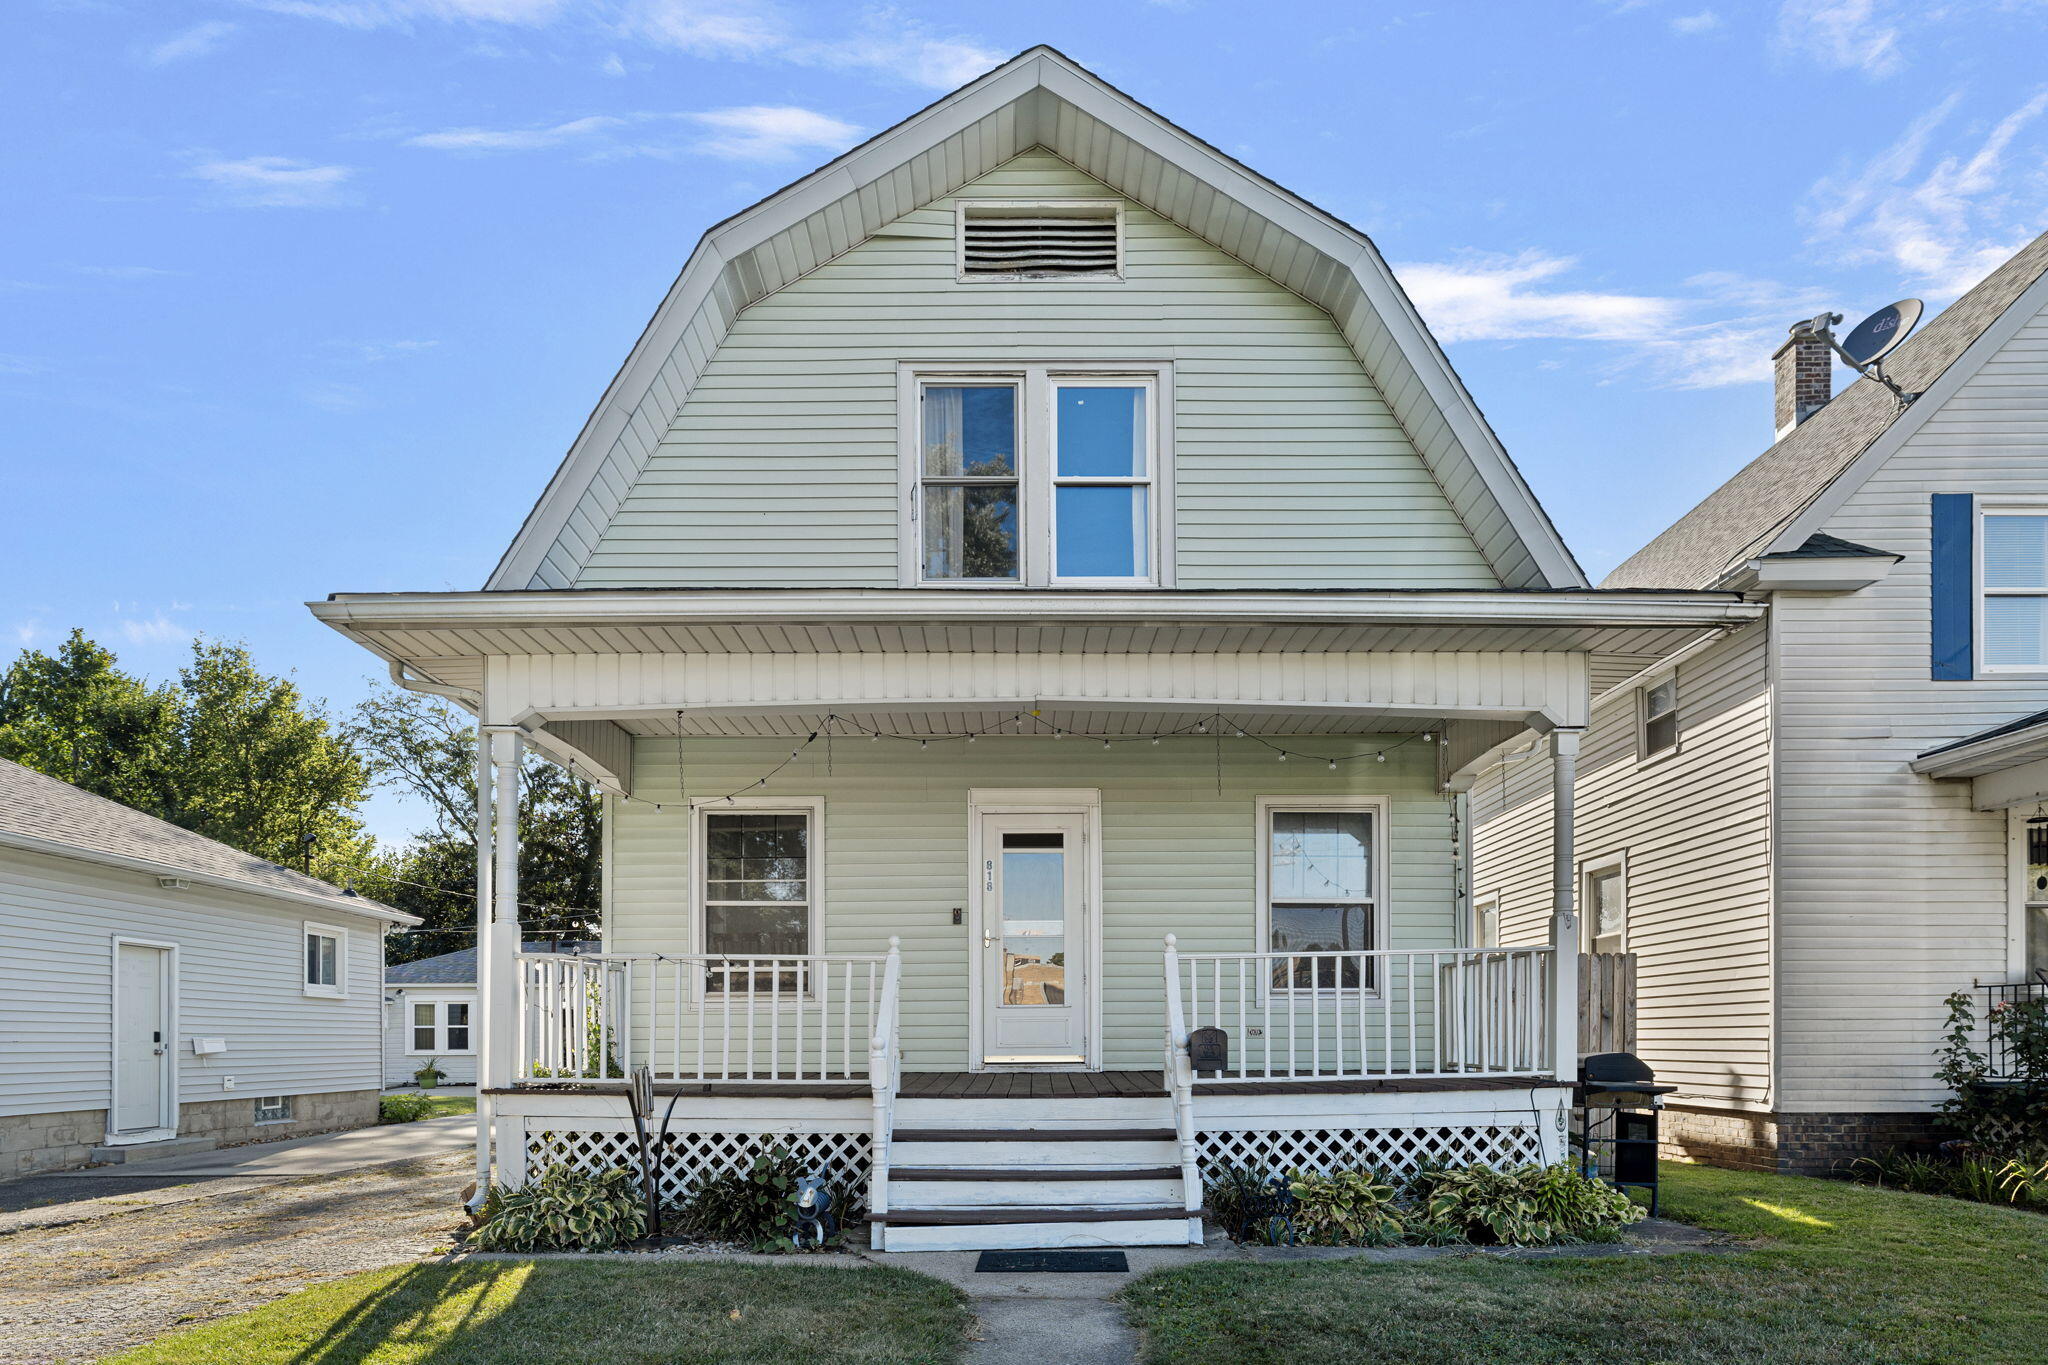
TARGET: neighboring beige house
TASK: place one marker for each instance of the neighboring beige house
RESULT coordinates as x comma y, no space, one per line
160,992
1032,592
1812,829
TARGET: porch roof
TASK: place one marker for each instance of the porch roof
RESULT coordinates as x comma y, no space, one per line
446,637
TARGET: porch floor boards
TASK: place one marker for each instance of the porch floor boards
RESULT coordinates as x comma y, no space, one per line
1038,1085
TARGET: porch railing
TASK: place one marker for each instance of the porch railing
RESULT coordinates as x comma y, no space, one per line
1998,996
701,1017
1357,1015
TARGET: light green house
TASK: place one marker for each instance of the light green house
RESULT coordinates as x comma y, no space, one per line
1035,591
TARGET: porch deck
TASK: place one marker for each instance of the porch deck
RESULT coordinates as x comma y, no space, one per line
1000,1085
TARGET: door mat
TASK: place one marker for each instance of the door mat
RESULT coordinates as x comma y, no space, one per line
1054,1262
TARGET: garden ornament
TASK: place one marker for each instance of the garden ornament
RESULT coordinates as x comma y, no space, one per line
814,1220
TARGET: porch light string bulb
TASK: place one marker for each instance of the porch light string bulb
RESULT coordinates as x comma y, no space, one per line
1215,724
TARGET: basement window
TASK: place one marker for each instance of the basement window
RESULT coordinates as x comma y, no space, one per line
1007,242
274,1109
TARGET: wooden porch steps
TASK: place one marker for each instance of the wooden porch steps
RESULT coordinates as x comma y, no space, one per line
979,1217
1034,1135
1008,1173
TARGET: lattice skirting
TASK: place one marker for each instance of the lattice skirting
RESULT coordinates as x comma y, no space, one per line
841,1157
1390,1151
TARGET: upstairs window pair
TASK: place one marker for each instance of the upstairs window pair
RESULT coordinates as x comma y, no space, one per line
1037,478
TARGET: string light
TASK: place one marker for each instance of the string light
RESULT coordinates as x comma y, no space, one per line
1201,726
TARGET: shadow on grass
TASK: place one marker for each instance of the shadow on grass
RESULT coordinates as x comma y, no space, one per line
569,1312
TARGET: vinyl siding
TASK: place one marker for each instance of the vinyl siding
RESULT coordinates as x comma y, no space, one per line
1695,828
399,1061
781,467
1177,856
240,973
1893,891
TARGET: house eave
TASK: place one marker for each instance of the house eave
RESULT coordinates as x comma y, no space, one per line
1811,574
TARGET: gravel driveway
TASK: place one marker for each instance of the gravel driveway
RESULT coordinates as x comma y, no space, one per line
76,1293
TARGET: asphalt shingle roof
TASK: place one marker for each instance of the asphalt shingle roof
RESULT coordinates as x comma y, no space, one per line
459,967
39,810
1740,518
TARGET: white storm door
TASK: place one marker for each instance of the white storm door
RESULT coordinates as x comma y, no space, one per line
142,1038
1034,939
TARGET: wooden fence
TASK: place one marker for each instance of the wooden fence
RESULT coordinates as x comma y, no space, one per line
1607,1002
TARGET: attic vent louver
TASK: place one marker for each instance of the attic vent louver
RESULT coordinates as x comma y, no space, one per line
1039,241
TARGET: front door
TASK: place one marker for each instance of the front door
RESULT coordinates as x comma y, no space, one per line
1034,939
142,1041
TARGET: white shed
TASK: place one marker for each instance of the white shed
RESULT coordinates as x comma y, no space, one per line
163,992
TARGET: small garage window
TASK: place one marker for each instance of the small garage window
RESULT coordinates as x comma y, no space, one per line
326,962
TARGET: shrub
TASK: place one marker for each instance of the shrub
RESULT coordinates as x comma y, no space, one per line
2010,1113
1251,1205
756,1206
1344,1208
1963,1171
404,1108
564,1210
1521,1205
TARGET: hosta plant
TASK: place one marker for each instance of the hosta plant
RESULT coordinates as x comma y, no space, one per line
564,1210
1521,1205
1344,1208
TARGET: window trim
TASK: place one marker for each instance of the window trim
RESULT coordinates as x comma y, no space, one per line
813,808
1035,465
1381,918
1483,908
1589,868
339,990
962,210
409,1001
1982,510
1644,754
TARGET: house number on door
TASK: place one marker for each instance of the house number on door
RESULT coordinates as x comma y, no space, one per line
988,874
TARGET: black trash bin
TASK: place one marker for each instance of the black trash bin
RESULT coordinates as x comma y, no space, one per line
1618,1098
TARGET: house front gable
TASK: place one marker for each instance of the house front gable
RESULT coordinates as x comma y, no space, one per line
752,437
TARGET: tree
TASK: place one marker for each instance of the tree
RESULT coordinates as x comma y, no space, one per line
416,744
228,751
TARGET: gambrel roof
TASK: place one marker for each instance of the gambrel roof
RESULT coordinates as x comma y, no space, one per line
1777,501
1039,99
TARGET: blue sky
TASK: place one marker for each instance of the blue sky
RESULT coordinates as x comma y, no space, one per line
307,295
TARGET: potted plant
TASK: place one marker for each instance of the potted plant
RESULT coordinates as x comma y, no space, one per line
430,1075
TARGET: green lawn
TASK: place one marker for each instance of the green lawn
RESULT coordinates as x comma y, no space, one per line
444,1105
587,1313
1840,1274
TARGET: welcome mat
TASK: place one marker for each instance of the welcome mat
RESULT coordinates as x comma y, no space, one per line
1054,1262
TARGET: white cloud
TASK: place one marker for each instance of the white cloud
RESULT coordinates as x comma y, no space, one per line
384,13
709,28
196,41
276,182
757,29
1844,35
935,63
1706,21
772,132
158,629
376,352
126,272
1946,224
1720,331
514,139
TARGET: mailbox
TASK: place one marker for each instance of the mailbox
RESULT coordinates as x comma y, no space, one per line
1209,1049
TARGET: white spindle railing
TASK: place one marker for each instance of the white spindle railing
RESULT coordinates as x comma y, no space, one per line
1355,1015
699,1017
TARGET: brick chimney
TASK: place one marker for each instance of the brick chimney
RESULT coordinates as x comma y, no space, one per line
1805,372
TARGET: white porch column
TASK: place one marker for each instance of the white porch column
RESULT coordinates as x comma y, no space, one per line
499,942
481,1033
1564,919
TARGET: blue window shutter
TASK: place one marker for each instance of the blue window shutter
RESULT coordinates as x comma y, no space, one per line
1952,575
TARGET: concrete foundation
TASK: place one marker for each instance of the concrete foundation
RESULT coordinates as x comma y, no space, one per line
58,1141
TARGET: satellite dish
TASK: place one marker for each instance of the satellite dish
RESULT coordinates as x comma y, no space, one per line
1875,337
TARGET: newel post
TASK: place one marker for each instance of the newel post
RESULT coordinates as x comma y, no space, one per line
1564,919
885,1055
1180,1081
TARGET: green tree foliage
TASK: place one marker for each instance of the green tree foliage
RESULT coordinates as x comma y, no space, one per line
227,751
427,748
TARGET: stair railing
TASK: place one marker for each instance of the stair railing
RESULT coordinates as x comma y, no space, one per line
885,1062
1180,1078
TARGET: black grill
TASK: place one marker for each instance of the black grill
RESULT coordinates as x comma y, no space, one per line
1618,1099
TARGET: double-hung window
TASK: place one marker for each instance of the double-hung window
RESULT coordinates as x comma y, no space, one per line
757,897
1320,873
1604,889
1039,476
326,960
2015,588
440,1027
1657,718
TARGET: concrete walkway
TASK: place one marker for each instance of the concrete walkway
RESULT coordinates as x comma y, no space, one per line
62,1197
